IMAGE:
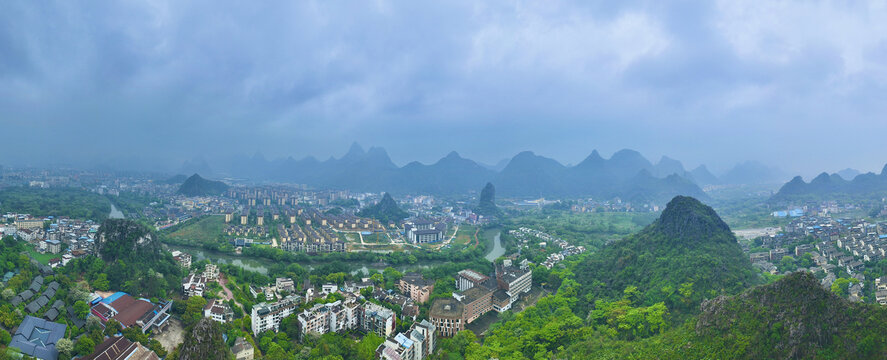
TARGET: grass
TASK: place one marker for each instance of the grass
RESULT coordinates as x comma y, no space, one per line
205,230
465,235
376,238
42,258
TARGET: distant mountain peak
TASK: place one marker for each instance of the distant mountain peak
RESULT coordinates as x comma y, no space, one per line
453,155
355,151
884,171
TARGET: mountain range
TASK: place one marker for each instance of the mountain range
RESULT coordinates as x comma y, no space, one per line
626,174
824,185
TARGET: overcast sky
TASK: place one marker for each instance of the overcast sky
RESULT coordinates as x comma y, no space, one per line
800,85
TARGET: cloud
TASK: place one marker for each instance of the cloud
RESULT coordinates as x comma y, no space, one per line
703,82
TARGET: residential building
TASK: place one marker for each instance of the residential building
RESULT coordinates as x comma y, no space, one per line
183,259
285,285
416,287
242,349
377,319
132,312
211,273
193,285
217,310
333,317
53,246
268,316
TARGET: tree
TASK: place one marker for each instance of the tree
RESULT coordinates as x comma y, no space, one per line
101,282
8,294
84,346
113,327
194,310
65,346
81,309
5,338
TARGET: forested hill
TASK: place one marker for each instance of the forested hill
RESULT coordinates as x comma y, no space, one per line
386,211
198,186
794,318
686,255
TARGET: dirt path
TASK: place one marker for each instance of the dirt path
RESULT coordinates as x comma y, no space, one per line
223,280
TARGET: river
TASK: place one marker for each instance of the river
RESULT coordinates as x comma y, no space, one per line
115,213
260,265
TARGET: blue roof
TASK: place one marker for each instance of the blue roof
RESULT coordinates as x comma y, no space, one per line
882,236
37,337
113,297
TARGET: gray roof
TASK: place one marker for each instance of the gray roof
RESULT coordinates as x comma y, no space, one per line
51,314
37,337
32,307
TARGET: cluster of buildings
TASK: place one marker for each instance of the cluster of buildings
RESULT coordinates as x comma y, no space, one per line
845,244
478,294
195,283
524,234
132,312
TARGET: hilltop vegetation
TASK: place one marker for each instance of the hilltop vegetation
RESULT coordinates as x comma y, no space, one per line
386,211
198,186
70,202
686,255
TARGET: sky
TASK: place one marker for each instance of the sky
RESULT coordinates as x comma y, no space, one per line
794,84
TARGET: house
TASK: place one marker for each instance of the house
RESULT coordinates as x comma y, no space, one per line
329,288
415,344
285,285
119,348
183,259
193,285
219,311
242,349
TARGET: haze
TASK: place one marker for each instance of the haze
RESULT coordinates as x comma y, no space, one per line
150,84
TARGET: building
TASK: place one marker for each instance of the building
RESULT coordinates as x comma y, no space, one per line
377,319
333,317
515,281
398,347
217,310
446,316
119,348
476,302
416,287
132,312
53,246
183,259
468,278
37,337
211,273
242,349
268,316
193,285
33,223
424,231
285,285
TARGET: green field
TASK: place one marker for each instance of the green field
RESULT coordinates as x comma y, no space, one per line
465,235
204,230
41,258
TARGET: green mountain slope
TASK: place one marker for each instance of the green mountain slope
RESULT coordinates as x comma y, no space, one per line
686,255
